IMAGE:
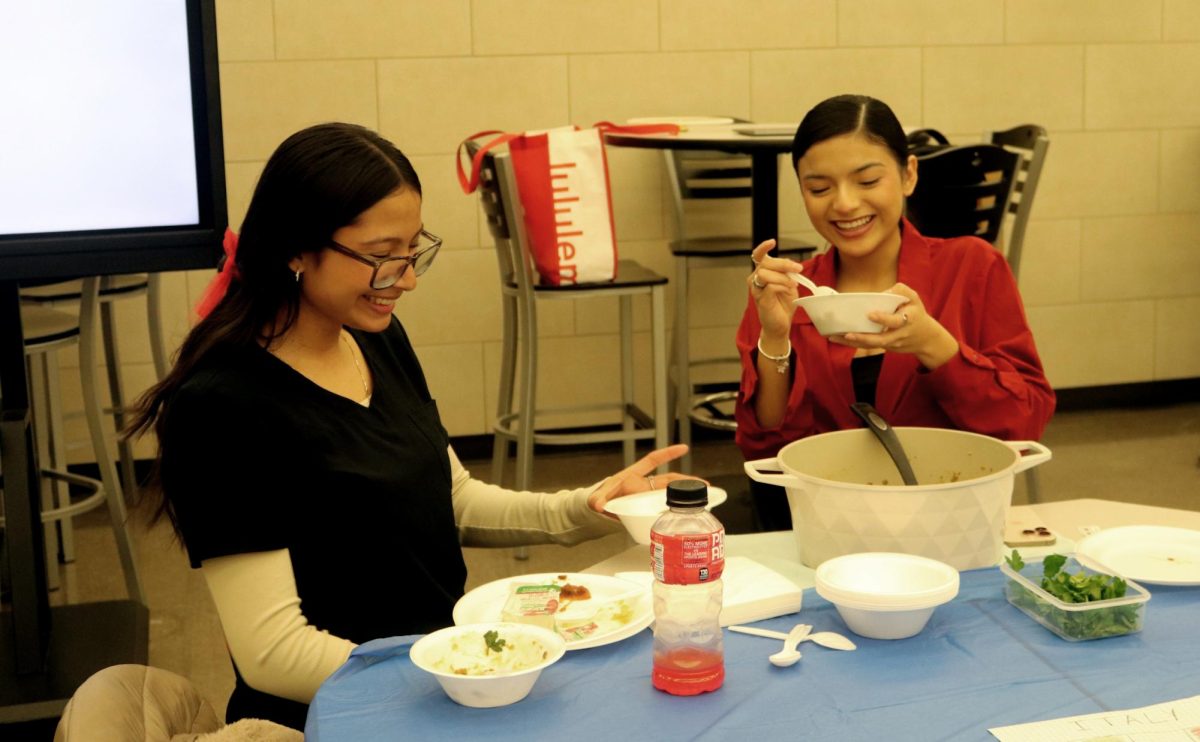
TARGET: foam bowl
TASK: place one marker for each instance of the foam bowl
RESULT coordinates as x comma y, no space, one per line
884,595
638,512
836,314
458,645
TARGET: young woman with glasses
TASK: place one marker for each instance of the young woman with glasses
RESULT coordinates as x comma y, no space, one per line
301,457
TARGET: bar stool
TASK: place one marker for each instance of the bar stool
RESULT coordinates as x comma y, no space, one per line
112,289
46,332
520,339
706,176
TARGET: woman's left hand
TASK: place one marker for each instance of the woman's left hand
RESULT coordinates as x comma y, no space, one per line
910,329
638,478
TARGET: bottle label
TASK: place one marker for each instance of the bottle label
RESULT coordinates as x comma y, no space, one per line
687,559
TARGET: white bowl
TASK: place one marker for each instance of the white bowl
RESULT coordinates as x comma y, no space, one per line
882,595
486,691
836,314
638,512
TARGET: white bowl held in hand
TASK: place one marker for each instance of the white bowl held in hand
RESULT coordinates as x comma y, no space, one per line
638,512
474,675
837,314
883,595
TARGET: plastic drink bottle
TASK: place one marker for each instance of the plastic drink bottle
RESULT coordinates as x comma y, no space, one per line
687,554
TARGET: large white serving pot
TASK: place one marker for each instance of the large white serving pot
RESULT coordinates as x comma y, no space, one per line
846,496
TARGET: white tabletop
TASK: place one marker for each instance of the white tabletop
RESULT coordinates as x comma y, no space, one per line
778,549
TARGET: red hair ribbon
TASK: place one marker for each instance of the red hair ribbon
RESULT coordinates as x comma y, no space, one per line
217,287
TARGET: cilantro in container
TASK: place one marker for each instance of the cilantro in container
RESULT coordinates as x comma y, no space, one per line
1072,599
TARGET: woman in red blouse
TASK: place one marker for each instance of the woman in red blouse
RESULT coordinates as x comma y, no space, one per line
957,354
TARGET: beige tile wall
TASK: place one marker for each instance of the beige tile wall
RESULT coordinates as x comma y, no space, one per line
1112,257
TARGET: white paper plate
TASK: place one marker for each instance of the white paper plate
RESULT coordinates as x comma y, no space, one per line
486,603
1155,555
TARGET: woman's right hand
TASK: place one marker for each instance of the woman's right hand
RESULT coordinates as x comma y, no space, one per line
773,291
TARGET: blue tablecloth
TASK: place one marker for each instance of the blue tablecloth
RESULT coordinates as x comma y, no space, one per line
979,663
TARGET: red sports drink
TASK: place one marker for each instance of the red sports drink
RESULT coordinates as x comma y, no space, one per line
687,549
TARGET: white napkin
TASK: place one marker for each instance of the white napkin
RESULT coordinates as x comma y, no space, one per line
752,592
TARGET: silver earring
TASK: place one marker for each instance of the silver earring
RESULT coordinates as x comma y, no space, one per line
297,275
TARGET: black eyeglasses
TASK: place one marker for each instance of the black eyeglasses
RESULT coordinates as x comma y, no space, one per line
387,271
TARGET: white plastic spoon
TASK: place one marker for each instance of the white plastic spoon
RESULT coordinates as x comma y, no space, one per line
807,283
827,639
788,656
831,640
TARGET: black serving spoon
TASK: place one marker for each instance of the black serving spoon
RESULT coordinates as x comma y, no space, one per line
886,436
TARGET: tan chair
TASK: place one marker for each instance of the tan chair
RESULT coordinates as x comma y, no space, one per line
699,179
135,702
520,423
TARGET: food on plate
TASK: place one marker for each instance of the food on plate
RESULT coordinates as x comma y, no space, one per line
575,592
607,617
532,604
490,654
566,608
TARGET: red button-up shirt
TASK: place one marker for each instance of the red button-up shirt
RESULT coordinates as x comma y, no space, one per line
994,385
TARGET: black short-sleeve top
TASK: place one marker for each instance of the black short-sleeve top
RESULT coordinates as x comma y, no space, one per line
257,458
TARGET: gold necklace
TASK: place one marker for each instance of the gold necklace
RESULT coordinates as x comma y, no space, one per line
354,357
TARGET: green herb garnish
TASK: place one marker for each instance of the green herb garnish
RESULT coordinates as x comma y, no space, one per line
1080,587
493,641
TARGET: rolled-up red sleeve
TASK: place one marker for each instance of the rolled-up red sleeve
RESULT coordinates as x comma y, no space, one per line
995,385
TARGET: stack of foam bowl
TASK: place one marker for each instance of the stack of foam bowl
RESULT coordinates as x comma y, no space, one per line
886,596
847,497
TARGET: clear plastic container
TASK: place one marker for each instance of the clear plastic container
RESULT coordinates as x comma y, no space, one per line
1076,622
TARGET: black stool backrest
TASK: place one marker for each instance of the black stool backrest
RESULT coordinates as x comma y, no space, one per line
963,190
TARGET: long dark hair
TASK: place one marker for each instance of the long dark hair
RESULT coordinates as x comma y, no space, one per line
317,181
851,114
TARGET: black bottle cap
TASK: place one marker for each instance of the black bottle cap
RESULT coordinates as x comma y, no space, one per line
687,493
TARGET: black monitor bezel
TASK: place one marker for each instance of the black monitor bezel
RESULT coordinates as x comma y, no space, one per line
55,255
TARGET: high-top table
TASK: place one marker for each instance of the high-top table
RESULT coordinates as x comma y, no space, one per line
978,663
764,151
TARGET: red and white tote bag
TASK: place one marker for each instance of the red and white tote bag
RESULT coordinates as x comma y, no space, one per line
562,177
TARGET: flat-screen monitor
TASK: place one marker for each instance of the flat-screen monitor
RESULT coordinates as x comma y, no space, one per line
111,158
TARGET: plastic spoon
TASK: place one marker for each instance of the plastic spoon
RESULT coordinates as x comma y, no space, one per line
788,656
827,639
831,640
807,283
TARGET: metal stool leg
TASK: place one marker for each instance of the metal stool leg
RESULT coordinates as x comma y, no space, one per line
1033,487
108,472
508,375
56,428
663,421
37,395
154,321
527,421
682,368
112,361
628,447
